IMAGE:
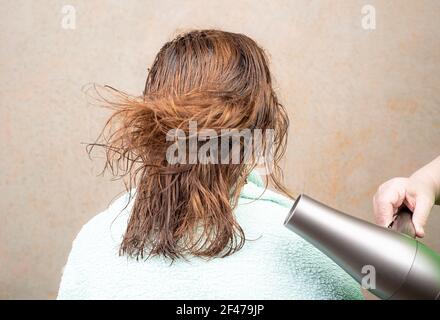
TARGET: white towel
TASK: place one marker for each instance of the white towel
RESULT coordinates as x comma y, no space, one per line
274,263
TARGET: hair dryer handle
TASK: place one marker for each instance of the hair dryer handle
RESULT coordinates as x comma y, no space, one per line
403,222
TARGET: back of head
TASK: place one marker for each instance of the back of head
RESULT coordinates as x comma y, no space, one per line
207,92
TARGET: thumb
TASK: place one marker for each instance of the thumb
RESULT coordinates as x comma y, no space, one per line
420,216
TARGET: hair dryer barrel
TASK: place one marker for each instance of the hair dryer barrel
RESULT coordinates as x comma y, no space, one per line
399,267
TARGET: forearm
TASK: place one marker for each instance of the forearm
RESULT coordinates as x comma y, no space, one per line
431,173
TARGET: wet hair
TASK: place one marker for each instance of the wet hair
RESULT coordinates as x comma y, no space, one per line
219,80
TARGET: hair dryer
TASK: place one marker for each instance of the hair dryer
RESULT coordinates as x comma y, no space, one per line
401,266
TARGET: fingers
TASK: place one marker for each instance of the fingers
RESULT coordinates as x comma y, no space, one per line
383,212
416,193
388,199
420,216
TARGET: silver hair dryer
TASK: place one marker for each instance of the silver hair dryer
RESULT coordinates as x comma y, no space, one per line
403,267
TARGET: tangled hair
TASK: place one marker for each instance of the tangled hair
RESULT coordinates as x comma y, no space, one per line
219,80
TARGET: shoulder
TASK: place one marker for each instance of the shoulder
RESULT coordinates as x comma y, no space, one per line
114,217
121,205
94,248
263,210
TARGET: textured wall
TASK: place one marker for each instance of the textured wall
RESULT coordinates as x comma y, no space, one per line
364,106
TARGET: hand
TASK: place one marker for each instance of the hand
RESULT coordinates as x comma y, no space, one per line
418,193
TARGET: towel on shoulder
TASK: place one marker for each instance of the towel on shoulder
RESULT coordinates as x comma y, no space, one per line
274,263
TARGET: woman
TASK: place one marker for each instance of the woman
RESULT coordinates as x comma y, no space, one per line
198,222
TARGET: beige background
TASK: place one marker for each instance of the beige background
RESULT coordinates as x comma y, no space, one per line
364,106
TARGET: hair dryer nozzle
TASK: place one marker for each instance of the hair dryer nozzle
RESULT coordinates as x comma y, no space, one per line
389,264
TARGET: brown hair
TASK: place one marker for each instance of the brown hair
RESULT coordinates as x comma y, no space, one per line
220,80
